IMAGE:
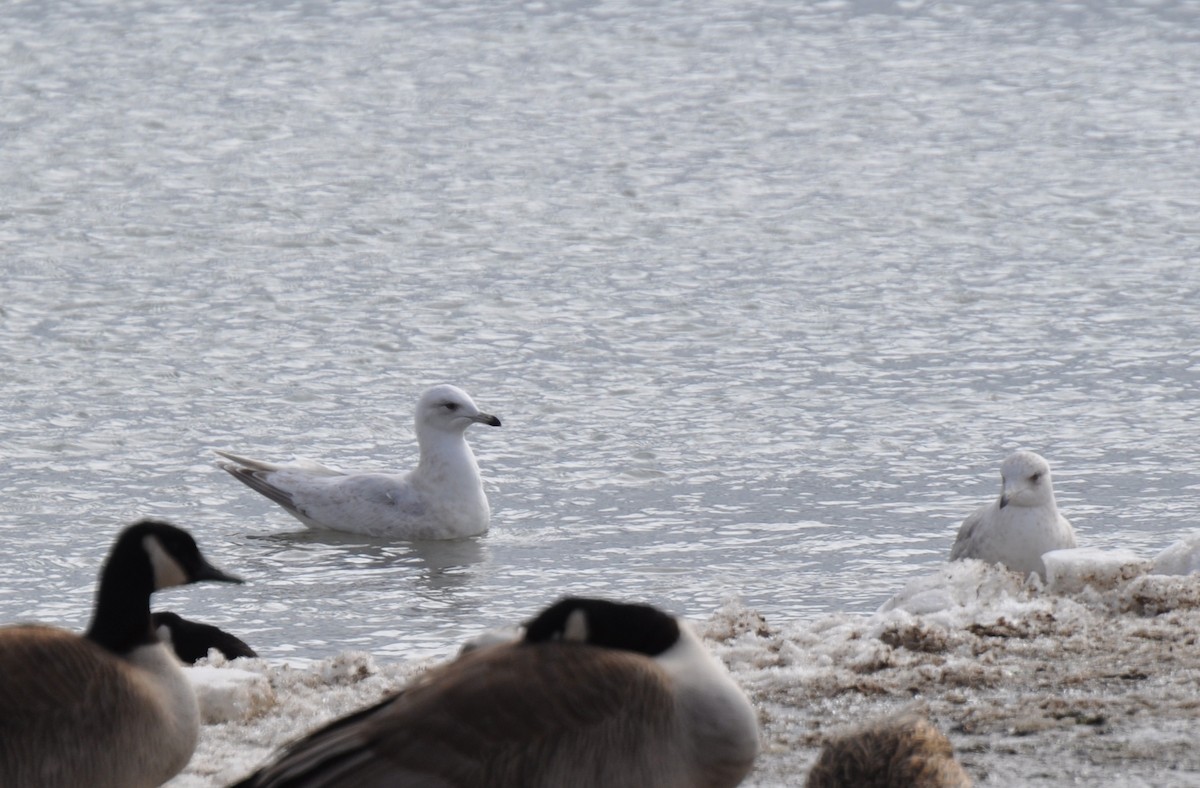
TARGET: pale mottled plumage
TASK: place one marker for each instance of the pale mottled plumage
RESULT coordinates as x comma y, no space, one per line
595,695
1022,524
903,752
442,498
111,709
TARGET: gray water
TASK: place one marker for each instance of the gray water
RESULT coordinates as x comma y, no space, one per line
762,292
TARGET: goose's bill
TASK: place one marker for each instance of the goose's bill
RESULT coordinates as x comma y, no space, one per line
486,418
207,571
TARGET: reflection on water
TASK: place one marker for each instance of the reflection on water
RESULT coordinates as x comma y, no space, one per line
437,563
763,294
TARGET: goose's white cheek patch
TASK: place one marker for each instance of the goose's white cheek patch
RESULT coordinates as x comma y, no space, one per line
167,571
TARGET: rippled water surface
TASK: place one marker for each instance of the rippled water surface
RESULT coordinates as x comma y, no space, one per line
762,292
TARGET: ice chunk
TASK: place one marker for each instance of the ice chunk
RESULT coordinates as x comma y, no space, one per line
1181,558
230,694
492,637
1070,571
956,586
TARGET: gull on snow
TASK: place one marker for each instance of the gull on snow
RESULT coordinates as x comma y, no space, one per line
1021,525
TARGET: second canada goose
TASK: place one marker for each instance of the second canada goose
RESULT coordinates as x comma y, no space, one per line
442,498
900,752
596,694
1019,526
191,640
110,709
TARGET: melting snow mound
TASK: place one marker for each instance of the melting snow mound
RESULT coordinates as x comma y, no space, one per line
1181,558
1071,571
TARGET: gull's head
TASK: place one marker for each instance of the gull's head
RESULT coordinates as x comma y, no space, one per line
1025,481
448,408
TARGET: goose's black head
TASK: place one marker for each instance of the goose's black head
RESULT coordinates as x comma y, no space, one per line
599,622
147,556
170,553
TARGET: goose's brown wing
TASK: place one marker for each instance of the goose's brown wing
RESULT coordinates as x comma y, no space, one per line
551,714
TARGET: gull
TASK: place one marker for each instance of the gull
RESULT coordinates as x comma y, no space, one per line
1021,525
595,694
442,498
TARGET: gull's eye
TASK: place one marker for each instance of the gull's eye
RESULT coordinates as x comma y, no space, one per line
451,406
1037,477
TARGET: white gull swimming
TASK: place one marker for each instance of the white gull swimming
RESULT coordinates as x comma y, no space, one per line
1019,526
442,498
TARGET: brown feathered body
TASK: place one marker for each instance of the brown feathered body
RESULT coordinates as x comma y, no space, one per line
904,752
534,716
74,714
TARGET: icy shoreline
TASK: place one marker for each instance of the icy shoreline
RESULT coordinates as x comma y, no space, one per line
1090,678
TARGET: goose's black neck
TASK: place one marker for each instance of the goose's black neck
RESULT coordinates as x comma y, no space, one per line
121,619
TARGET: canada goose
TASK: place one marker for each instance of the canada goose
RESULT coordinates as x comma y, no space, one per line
596,694
1021,525
903,752
111,709
191,640
442,498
